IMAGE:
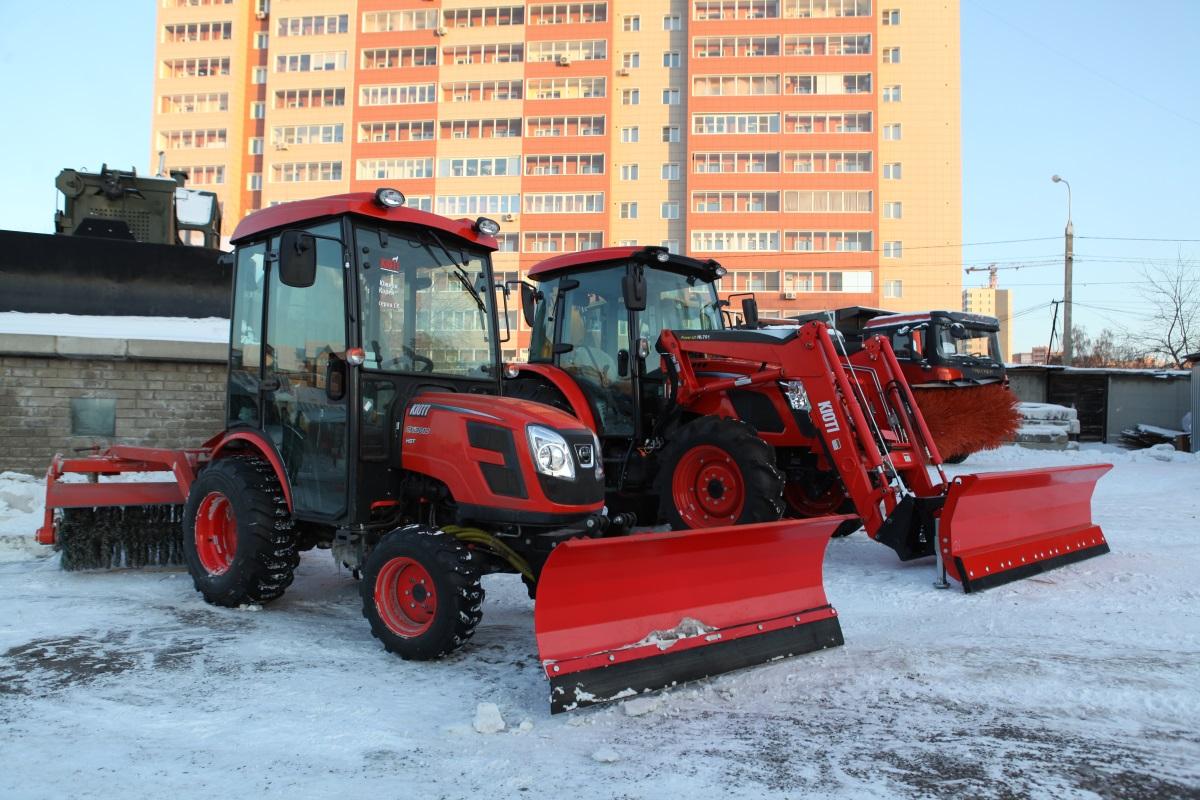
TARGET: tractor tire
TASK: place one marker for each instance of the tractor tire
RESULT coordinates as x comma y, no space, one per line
538,391
421,593
832,501
238,541
716,472
957,458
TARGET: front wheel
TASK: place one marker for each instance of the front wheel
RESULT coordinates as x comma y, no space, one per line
716,472
421,593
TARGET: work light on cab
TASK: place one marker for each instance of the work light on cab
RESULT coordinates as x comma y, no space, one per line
389,198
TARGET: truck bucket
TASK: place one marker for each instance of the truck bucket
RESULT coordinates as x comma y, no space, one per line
616,617
1003,526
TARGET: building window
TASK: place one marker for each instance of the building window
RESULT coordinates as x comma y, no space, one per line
259,75
671,172
256,145
630,97
669,210
894,210
629,210
893,288
629,135
891,94
319,25
672,245
891,172
629,172
672,22
254,182
631,24
258,110
670,133
670,97
893,250
631,60
672,59
891,55
891,133
260,40
891,16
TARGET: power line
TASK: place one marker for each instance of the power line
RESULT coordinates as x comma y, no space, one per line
1135,239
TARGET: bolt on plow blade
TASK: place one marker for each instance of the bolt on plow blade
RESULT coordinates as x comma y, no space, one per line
1003,526
617,617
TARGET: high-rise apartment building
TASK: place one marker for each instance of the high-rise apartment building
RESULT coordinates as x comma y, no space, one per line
811,146
992,301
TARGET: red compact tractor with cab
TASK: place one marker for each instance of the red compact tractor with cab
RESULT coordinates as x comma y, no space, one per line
728,426
363,415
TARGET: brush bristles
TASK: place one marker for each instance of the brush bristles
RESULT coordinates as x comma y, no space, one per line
966,419
120,537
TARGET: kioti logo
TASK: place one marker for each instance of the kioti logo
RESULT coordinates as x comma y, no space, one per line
828,418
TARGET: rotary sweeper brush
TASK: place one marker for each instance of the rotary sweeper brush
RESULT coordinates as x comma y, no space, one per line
732,426
363,416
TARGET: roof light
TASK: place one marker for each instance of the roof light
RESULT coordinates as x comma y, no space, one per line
486,226
663,256
389,198
720,272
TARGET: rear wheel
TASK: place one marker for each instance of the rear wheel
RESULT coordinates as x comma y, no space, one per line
718,472
957,458
421,593
238,540
807,501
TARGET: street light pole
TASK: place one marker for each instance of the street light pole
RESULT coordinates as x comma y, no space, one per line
1068,263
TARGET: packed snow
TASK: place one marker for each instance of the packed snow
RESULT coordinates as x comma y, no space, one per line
1081,682
175,329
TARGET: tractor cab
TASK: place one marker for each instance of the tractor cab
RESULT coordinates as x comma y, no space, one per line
943,347
597,315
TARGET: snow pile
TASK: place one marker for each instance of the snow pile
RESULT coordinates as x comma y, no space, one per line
173,329
1046,426
488,719
21,505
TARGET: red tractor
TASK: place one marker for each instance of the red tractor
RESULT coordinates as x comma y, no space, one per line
363,416
739,425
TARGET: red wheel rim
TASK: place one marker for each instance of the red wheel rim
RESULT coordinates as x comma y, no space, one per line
707,488
405,597
216,533
803,504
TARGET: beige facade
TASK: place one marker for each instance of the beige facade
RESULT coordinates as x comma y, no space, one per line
992,302
811,146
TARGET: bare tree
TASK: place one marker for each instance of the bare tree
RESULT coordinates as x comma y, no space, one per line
1172,329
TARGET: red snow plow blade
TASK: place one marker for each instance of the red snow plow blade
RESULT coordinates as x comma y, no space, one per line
1003,526
616,617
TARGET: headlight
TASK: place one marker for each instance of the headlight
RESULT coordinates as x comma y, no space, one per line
551,455
796,394
599,458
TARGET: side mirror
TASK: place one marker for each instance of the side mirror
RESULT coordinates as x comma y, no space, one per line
750,312
528,303
633,287
297,259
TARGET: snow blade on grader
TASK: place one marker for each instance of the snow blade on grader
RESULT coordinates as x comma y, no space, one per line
616,617
998,527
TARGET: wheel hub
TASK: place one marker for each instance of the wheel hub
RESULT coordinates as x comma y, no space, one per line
707,487
216,533
405,597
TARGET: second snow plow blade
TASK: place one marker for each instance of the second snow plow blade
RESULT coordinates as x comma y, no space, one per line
1003,526
616,617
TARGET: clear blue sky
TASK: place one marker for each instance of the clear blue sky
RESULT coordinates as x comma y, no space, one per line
1101,92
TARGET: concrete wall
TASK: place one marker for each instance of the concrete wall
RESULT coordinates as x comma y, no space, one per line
1134,399
168,394
1029,387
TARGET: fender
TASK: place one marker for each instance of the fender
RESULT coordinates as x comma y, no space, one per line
256,441
567,386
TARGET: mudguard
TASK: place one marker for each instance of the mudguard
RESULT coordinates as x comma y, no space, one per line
1003,526
616,617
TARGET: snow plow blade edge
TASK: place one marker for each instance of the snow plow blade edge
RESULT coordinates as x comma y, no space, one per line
618,617
999,527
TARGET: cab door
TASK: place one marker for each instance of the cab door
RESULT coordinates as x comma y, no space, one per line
306,340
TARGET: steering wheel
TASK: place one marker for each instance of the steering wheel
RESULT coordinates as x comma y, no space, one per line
426,363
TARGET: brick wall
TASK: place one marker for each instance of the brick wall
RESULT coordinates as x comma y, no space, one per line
168,394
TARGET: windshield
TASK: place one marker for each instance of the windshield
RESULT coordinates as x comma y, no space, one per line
422,309
679,303
976,343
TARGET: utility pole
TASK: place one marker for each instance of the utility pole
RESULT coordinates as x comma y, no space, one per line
1068,263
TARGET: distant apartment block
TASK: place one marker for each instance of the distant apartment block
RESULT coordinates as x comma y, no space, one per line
811,146
992,302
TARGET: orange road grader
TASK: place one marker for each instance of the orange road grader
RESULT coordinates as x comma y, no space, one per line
730,426
363,416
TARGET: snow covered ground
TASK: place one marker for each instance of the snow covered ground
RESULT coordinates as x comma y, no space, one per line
178,329
1084,682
